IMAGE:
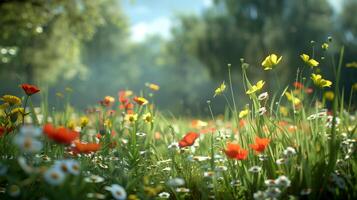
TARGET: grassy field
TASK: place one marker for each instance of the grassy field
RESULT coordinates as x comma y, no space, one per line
296,144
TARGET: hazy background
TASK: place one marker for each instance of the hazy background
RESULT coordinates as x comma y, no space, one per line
99,47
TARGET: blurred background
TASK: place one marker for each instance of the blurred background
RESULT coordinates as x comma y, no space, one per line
100,47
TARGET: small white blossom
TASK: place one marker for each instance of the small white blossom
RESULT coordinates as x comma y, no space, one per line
118,192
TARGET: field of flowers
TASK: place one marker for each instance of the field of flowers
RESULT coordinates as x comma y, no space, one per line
297,144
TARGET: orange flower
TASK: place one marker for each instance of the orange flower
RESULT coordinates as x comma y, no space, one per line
30,89
234,151
81,147
260,144
189,139
60,135
140,100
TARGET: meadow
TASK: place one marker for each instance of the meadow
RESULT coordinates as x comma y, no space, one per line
298,143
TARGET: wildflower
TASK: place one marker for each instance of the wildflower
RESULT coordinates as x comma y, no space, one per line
243,113
235,183
255,169
220,90
298,85
324,46
329,95
148,118
283,110
54,176
24,166
141,100
131,118
272,192
30,89
28,144
281,161
260,144
118,192
198,124
258,86
262,111
260,195
133,197
153,86
263,96
84,121
174,146
234,151
188,140
164,195
311,62
30,131
14,191
107,101
12,100
270,183
81,147
283,181
352,65
296,101
60,135
176,182
319,81
94,179
271,61
141,134
68,166
289,151
221,168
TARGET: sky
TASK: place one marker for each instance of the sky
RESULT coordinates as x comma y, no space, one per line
155,17
148,17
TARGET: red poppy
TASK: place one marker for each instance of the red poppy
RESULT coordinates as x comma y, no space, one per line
60,135
30,89
260,144
81,147
189,139
234,151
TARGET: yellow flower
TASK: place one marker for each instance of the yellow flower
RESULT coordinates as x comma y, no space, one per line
311,62
12,100
71,124
17,111
153,86
283,110
256,87
133,197
220,89
84,121
324,46
292,98
131,118
148,118
329,95
108,123
4,106
243,113
271,61
319,81
352,65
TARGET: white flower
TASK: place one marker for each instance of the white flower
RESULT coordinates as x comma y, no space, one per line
94,179
221,168
255,169
27,144
262,111
281,161
24,166
54,176
141,134
182,190
289,151
30,130
68,166
272,192
167,169
263,96
176,182
260,195
262,157
306,191
283,181
14,191
118,192
173,146
200,158
164,195
235,183
208,174
270,183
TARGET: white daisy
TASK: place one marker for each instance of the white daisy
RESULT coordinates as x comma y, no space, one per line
54,176
164,195
283,181
255,169
176,182
118,192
